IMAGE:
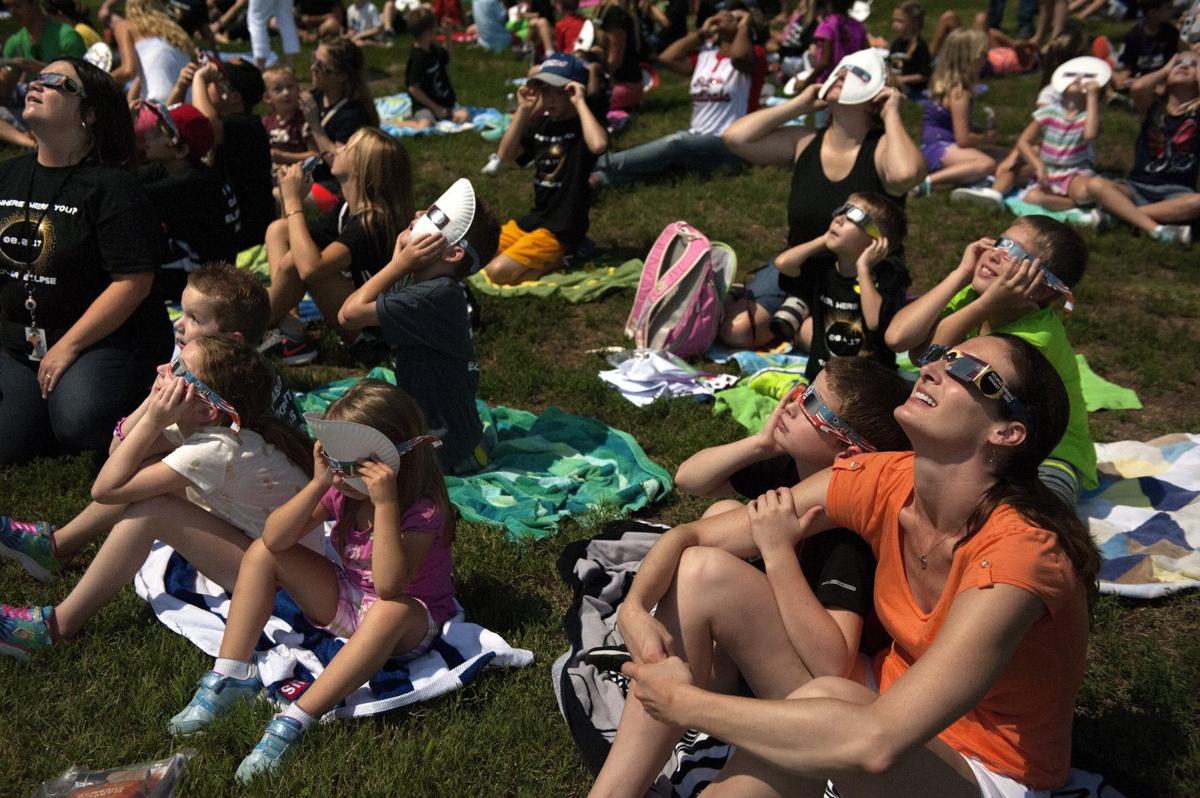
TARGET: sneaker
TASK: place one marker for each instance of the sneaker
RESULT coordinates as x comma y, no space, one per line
30,544
214,697
1180,234
290,351
983,195
1091,218
281,733
24,630
493,165
922,189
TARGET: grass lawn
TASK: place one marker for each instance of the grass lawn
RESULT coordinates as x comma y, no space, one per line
104,699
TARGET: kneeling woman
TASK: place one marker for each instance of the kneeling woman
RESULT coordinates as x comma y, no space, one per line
985,582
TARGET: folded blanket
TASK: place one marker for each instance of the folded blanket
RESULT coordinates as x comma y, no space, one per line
1145,515
542,469
577,284
291,652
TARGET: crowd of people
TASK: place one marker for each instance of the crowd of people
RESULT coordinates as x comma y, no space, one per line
903,604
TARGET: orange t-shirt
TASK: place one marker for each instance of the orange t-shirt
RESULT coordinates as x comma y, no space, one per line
1022,726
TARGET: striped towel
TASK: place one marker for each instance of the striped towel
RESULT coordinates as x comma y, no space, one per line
291,652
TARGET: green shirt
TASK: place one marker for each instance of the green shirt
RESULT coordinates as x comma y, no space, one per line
57,40
1044,329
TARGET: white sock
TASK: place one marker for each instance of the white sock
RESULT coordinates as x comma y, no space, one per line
297,714
235,668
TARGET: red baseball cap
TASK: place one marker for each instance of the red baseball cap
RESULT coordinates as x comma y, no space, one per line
194,129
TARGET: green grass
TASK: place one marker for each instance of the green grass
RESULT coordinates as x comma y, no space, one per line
104,699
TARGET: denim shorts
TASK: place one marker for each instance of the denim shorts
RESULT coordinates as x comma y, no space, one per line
1149,193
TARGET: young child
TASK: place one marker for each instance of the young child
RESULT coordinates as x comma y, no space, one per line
846,411
1009,285
554,129
908,55
426,74
420,303
1149,44
199,465
389,593
1063,133
954,151
566,29
364,26
836,36
842,309
197,209
285,126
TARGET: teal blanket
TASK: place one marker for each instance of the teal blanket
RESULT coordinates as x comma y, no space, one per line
541,469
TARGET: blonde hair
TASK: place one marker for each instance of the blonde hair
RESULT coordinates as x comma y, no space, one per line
279,69
385,407
383,183
958,62
151,19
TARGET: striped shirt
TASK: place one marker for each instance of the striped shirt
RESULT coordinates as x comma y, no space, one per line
1064,148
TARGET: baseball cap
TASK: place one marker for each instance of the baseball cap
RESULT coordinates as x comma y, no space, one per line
561,69
194,128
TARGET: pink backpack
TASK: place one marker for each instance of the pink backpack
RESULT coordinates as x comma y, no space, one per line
681,293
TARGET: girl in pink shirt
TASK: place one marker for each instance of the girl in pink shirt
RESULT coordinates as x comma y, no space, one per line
389,593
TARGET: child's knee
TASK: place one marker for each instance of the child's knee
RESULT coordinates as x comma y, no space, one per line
722,506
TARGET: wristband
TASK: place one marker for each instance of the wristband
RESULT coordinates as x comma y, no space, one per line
118,432
290,213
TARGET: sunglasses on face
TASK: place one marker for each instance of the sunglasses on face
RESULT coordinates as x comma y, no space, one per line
207,394
164,118
56,80
1016,253
823,419
861,219
350,468
973,371
324,69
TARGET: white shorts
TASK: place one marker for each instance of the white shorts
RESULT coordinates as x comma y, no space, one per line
993,785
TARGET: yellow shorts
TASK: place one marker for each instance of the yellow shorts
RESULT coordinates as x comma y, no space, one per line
538,250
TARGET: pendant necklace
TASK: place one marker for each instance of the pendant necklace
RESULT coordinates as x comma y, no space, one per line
924,558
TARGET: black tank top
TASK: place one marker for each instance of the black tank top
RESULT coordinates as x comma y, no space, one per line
814,197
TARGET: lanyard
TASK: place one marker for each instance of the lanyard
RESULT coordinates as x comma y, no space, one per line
31,301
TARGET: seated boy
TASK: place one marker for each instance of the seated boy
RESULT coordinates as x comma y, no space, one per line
835,295
1009,285
193,203
426,75
831,627
218,300
420,303
555,130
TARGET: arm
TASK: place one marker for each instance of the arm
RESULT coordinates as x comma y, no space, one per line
741,52
870,298
790,260
397,554
359,310
825,640
230,15
818,735
103,317
528,104
616,49
130,67
160,446
762,138
295,518
675,57
914,325
898,160
959,102
707,472
1091,128
286,157
824,58
182,84
1027,147
594,134
310,261
122,479
204,105
1145,88
312,116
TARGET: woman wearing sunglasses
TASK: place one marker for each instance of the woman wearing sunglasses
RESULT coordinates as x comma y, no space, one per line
80,332
985,582
865,148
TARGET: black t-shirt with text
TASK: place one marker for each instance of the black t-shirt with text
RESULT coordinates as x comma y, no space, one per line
903,64
426,325
243,160
1143,52
368,252
838,326
562,163
194,209
426,70
93,221
1168,148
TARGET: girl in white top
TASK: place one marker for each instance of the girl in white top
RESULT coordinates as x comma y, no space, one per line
154,50
199,465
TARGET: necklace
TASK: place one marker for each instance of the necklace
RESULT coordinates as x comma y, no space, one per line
924,558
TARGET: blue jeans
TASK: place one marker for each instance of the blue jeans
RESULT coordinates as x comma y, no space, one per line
1026,11
680,149
103,384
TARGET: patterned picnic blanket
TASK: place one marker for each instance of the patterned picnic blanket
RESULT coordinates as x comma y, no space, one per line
576,284
1145,515
398,108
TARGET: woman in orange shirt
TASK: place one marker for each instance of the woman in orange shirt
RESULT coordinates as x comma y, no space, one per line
985,582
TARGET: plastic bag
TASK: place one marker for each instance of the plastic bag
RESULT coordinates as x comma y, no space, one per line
143,780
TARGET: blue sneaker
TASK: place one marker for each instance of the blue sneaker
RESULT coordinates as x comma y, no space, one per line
24,630
30,544
281,733
214,697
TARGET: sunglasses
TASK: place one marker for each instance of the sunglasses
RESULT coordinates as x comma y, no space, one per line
861,219
324,69
1017,253
823,419
163,115
350,468
207,394
970,369
56,80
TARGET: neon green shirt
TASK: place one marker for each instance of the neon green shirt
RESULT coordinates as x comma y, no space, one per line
1044,329
57,40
